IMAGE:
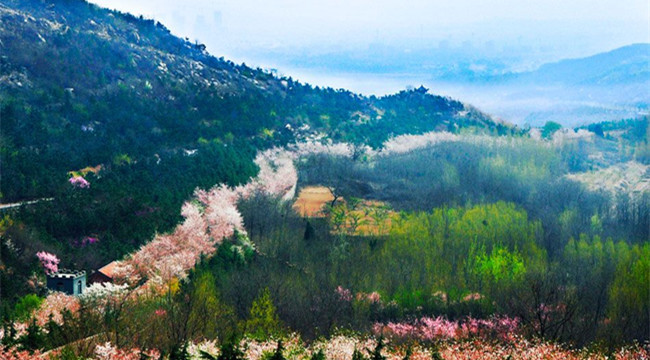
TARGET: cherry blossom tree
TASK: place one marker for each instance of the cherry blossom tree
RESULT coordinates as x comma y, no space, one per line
79,182
406,143
209,217
430,329
277,175
49,261
54,304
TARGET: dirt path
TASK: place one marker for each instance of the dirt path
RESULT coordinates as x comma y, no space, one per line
23,203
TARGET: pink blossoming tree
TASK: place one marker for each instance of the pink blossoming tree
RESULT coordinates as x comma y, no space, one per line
209,217
79,182
49,261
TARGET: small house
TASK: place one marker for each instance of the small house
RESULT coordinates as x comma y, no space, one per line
71,282
103,275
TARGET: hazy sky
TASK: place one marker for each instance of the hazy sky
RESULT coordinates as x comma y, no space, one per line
234,28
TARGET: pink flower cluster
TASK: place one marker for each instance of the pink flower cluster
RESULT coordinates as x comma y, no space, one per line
80,182
472,297
54,304
373,297
49,261
344,294
85,241
13,354
428,329
522,349
89,240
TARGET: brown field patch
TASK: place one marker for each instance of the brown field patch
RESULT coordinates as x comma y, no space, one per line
312,200
368,217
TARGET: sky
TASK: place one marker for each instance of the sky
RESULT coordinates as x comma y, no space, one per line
243,29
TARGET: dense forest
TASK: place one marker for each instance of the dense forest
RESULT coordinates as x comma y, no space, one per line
442,232
500,216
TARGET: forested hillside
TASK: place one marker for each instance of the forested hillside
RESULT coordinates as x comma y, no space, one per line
85,86
153,116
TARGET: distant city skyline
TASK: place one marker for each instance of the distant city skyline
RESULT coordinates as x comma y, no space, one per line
244,30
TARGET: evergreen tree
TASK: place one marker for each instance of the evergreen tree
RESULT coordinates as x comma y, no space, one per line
357,355
408,354
229,351
263,321
318,355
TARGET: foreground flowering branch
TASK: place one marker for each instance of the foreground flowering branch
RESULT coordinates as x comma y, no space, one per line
343,348
430,329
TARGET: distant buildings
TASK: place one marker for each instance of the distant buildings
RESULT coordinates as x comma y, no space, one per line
71,282
103,275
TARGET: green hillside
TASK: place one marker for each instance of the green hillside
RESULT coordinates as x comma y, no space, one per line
82,86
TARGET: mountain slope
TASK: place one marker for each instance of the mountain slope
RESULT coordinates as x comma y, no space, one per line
82,85
145,118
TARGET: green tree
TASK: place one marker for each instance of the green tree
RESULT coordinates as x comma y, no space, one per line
229,351
25,306
375,354
550,128
209,316
629,296
318,355
357,355
277,355
499,269
263,321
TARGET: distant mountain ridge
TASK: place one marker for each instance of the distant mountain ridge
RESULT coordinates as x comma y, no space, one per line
626,65
603,87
